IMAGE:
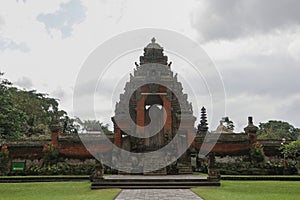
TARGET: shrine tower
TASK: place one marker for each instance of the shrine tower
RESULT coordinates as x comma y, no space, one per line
154,86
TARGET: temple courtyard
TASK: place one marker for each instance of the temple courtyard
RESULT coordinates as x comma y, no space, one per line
156,150
258,190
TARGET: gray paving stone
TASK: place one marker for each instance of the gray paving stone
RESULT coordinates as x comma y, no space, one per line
157,194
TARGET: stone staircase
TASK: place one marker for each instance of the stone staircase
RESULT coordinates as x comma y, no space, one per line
153,182
184,168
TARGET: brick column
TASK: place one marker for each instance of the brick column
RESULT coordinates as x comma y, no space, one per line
54,138
55,129
140,115
117,139
251,130
168,115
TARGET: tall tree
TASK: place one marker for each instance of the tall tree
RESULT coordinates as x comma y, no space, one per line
94,125
70,125
26,112
12,119
29,113
277,130
40,109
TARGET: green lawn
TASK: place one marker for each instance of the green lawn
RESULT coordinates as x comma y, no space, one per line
232,190
57,190
247,190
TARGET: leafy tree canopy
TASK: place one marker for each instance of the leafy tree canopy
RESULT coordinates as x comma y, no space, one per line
12,119
25,113
228,123
93,125
277,130
292,149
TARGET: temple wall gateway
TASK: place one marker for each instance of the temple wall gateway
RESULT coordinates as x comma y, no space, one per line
154,100
230,146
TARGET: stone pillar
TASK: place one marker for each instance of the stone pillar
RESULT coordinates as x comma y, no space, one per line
117,138
213,172
140,115
117,133
251,130
167,116
54,138
55,129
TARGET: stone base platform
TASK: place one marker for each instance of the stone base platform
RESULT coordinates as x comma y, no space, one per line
152,182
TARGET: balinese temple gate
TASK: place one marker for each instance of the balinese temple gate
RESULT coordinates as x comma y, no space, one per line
154,106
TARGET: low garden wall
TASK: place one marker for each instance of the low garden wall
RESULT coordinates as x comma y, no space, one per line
73,157
232,155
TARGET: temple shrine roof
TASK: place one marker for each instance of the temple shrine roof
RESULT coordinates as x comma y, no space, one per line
153,45
153,53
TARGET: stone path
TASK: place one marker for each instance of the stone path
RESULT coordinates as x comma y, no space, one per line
157,194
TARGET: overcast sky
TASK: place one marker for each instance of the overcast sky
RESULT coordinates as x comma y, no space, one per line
254,44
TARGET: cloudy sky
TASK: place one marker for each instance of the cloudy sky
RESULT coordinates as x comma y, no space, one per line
255,45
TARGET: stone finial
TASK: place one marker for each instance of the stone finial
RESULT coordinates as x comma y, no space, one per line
251,129
153,53
154,45
250,120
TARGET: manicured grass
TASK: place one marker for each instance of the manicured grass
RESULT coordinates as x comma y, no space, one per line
57,190
233,190
248,190
46,176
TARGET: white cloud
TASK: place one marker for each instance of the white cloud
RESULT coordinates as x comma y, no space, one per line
58,93
1,21
68,15
256,49
232,19
294,49
260,76
8,44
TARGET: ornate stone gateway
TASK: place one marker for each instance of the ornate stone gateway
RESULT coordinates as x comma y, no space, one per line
157,109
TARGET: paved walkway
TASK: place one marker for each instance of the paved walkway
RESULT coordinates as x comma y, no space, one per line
157,194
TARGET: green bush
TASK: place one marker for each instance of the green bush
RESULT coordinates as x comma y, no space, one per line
257,154
274,166
51,153
202,165
61,168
